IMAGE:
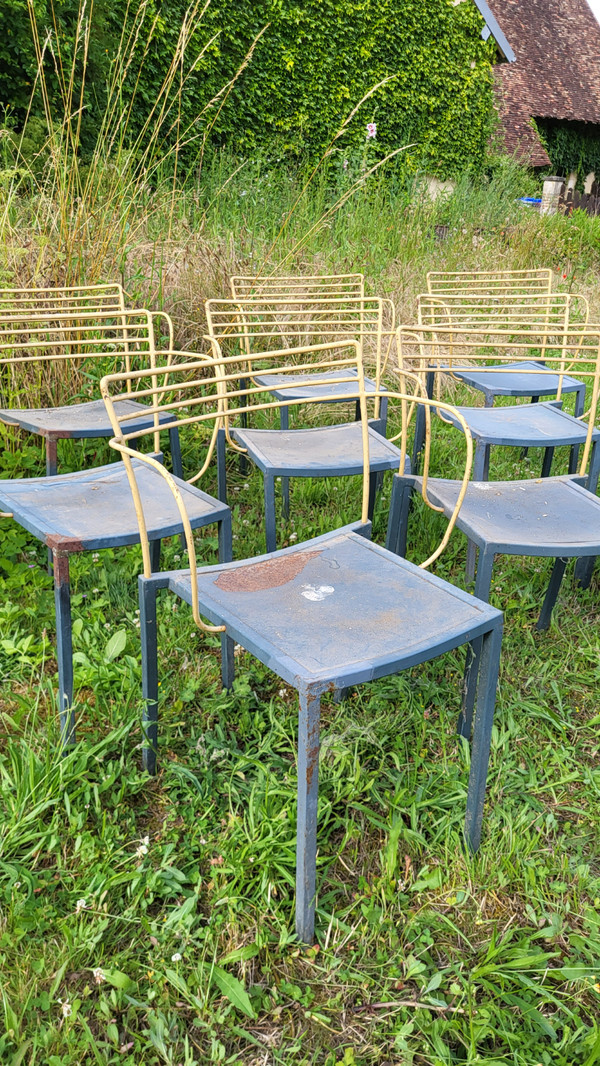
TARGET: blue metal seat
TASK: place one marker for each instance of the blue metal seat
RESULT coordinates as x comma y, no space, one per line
543,425
324,451
80,421
509,379
296,312
94,509
555,517
332,612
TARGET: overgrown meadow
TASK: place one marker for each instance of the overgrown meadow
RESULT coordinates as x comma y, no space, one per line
151,920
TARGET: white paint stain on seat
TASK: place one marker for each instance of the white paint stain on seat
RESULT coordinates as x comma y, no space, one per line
317,592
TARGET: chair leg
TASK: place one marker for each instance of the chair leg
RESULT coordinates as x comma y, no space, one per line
397,529
484,575
481,461
482,733
419,439
225,539
465,718
584,568
155,546
482,592
547,463
284,422
147,597
227,661
64,648
481,470
270,523
221,466
594,468
306,826
51,457
551,594
471,563
372,494
175,448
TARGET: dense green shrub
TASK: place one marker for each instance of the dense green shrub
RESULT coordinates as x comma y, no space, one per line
572,146
314,62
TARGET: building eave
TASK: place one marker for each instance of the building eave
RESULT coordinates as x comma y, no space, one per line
492,29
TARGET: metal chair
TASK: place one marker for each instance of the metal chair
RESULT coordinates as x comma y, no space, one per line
556,517
42,329
93,509
334,611
327,451
550,312
304,311
450,350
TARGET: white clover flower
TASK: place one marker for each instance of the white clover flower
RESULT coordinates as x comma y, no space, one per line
80,906
176,957
67,1009
98,976
293,536
17,884
95,557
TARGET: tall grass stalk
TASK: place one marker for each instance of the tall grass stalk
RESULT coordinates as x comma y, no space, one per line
92,209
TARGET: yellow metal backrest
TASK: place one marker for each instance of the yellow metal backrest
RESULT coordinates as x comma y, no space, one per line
299,285
499,282
108,297
38,342
545,317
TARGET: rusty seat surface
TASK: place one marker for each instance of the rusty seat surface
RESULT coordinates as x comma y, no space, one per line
337,610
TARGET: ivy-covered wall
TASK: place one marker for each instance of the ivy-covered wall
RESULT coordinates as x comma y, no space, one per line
315,61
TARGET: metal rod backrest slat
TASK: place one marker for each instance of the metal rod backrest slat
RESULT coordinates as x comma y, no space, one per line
246,285
506,282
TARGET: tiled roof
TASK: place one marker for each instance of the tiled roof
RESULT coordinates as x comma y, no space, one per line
556,73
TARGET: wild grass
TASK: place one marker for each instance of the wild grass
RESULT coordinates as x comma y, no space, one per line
152,920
